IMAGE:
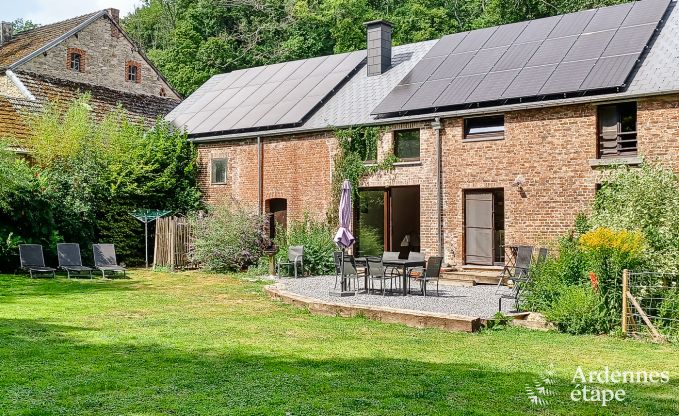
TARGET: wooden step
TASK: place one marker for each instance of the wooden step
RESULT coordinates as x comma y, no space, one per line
478,278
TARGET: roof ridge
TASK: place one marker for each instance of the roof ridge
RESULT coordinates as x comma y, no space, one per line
31,31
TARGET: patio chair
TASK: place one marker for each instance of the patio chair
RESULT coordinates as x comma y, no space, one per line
32,260
70,260
376,271
431,273
349,271
524,258
105,259
295,257
520,284
542,255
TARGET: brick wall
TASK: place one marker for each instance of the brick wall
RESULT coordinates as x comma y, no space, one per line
104,61
296,168
550,148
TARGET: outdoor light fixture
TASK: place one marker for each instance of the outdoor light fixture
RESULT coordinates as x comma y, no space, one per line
519,182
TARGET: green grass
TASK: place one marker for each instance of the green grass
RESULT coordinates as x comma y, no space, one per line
191,343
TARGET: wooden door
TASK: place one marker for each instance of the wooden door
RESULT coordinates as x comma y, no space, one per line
479,228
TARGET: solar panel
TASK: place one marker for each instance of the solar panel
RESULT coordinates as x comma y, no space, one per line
529,81
423,70
630,40
493,86
452,66
506,35
567,77
259,97
613,70
483,61
552,51
589,46
426,94
572,24
458,90
545,57
445,45
647,11
609,17
538,29
517,56
397,97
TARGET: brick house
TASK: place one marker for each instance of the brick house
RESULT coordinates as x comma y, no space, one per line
511,159
59,61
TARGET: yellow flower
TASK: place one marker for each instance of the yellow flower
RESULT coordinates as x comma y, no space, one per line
605,238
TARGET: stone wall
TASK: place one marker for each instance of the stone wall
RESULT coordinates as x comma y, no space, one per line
551,148
104,55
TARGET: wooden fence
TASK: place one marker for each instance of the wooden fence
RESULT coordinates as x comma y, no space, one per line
174,236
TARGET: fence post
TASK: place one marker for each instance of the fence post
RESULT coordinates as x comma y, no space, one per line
625,289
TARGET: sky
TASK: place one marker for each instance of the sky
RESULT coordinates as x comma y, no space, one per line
50,11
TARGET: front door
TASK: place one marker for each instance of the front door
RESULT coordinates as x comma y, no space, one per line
479,228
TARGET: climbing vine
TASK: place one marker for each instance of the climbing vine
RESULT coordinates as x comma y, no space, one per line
356,158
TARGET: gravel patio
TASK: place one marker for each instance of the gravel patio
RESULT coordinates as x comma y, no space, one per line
476,301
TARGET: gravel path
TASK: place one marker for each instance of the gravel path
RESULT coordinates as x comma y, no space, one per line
477,301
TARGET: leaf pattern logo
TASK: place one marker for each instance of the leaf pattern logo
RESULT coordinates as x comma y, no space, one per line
539,390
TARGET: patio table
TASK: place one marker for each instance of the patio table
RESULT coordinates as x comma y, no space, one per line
404,265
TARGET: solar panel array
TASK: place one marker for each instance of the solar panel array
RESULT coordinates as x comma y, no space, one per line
590,50
266,96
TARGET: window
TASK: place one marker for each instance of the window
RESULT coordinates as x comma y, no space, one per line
407,144
75,59
133,71
75,62
484,128
617,130
218,171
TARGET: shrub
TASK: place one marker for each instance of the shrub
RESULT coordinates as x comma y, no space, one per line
578,310
669,313
317,239
646,200
229,238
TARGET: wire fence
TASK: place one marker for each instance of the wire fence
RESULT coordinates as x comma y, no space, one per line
651,306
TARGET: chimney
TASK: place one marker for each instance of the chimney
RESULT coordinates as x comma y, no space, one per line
379,46
6,30
115,14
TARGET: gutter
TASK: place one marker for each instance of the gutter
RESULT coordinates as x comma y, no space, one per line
436,125
260,176
20,85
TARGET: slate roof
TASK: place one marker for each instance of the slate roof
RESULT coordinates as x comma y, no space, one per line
656,74
23,44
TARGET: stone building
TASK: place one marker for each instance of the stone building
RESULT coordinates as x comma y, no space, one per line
59,61
501,133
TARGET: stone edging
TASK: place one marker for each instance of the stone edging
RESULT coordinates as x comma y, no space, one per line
416,319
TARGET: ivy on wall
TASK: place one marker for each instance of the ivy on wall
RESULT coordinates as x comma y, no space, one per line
356,158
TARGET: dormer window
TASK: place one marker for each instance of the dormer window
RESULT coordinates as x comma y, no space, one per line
75,60
133,72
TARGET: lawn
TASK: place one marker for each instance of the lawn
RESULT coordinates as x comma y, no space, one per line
192,343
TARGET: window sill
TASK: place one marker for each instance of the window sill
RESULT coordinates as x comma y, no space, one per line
613,161
482,139
417,162
217,183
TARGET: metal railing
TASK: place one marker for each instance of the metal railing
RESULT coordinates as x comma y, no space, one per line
650,305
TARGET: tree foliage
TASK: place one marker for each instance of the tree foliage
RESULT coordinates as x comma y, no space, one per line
191,40
87,175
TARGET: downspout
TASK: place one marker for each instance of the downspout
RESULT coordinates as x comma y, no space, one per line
436,125
260,175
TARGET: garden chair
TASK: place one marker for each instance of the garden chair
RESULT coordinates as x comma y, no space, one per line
542,255
295,257
431,273
32,260
349,271
105,259
524,258
376,271
70,260
520,284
